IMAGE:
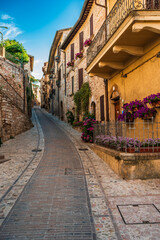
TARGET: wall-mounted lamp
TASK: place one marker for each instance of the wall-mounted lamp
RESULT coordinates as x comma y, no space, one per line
124,75
158,55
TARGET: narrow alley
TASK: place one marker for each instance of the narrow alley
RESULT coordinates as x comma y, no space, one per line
73,195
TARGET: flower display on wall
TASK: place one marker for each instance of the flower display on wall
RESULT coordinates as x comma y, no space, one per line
70,64
87,42
140,109
122,143
78,55
153,100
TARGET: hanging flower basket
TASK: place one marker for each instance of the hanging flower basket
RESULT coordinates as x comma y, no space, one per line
153,100
87,42
146,113
78,55
70,64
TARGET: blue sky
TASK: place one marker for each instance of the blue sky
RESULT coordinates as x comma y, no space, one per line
34,24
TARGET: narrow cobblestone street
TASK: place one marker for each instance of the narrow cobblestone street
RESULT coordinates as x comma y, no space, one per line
54,204
72,193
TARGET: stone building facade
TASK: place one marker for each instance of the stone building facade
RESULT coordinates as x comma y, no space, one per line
45,88
122,57
57,75
126,52
86,27
13,99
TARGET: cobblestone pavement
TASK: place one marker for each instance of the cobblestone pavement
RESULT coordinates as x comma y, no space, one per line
122,209
55,204
15,174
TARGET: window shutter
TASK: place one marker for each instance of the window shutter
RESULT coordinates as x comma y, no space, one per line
91,25
59,74
81,41
72,85
72,52
80,78
102,107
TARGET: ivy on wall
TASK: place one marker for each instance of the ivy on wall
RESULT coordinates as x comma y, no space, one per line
81,99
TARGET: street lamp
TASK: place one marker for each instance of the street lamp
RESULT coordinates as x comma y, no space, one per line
2,33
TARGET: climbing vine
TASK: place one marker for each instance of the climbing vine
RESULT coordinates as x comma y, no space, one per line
81,99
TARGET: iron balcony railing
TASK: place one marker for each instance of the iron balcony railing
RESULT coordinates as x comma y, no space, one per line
119,12
7,89
138,136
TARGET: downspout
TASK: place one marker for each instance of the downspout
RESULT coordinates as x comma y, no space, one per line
65,71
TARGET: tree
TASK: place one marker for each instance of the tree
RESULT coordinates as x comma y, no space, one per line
33,80
17,50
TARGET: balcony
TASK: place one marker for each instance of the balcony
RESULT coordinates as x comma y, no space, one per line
131,26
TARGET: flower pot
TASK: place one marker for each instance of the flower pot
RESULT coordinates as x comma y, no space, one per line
156,104
149,149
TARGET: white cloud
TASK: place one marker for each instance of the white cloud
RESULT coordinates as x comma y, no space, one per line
6,17
37,61
11,32
37,75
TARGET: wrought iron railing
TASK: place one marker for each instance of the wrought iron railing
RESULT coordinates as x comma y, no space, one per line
138,136
7,89
119,12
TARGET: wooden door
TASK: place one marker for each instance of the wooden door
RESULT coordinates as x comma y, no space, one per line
117,110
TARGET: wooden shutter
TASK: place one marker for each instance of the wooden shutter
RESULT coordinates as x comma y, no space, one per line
91,25
59,74
81,41
72,85
102,107
80,77
72,52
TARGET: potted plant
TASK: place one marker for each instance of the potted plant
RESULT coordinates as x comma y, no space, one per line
70,64
153,99
87,42
145,113
87,130
78,55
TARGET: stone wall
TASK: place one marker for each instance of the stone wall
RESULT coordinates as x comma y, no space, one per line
13,120
13,102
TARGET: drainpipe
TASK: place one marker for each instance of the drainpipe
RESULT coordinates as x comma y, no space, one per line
103,6
107,100
65,71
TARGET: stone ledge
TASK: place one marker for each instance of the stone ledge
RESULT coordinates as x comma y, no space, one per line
130,165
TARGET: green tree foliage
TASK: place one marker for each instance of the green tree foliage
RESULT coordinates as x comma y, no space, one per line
34,80
17,50
81,99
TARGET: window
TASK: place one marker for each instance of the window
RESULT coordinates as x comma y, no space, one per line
80,78
102,107
72,52
91,25
59,75
81,41
72,85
